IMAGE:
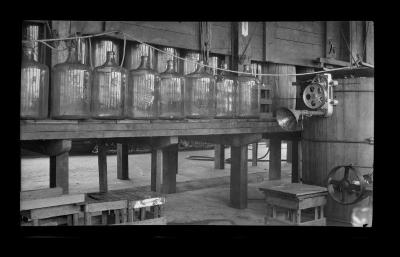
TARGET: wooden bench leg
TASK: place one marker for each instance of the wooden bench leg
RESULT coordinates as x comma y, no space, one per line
122,162
169,168
102,162
104,218
88,218
238,189
275,159
143,213
75,219
59,176
298,216
295,162
254,151
156,170
117,216
123,216
219,156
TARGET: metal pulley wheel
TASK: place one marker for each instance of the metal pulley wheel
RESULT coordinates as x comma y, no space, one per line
314,96
346,185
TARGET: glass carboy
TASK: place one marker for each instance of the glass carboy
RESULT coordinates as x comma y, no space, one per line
163,58
199,94
71,88
190,66
134,53
34,87
108,89
143,91
100,47
171,94
225,94
248,101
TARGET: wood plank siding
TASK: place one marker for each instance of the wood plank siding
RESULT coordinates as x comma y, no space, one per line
295,43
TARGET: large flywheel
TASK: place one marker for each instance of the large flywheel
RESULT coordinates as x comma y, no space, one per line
346,185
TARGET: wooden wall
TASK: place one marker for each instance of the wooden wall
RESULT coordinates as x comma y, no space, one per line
295,43
292,43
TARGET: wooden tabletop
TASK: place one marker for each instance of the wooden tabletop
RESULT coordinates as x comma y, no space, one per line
76,129
294,190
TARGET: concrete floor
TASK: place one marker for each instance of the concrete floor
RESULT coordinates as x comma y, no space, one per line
202,192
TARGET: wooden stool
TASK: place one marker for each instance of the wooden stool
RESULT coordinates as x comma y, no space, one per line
299,202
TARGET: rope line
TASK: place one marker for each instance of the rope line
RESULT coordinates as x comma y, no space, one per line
178,57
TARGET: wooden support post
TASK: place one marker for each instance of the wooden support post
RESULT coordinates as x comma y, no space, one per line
122,162
289,151
219,156
254,154
59,171
295,161
156,170
238,193
169,168
102,161
275,158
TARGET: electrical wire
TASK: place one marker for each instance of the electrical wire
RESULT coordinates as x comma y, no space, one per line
184,59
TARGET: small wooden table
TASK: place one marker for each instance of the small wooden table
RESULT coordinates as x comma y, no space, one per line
300,204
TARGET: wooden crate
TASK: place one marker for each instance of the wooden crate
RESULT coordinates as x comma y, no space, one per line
48,207
127,207
295,204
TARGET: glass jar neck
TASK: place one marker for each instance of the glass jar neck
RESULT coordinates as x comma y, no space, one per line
144,63
170,67
200,68
110,61
72,55
28,54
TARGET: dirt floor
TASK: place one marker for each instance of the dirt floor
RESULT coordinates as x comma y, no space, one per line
202,192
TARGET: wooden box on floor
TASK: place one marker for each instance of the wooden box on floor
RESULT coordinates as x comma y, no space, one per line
125,207
295,204
49,207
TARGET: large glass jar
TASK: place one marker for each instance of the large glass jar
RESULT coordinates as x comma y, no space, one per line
248,101
163,58
100,47
143,91
213,62
199,94
71,88
108,90
171,94
133,54
34,87
190,66
225,94
32,31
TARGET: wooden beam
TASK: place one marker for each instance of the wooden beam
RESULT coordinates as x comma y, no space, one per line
51,201
169,169
275,159
156,170
254,151
48,147
161,142
41,193
295,161
122,162
102,162
59,176
219,156
332,61
233,140
238,189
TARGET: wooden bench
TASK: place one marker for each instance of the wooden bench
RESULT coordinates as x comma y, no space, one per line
295,204
49,207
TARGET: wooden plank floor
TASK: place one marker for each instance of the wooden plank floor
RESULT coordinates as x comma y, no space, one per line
74,129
